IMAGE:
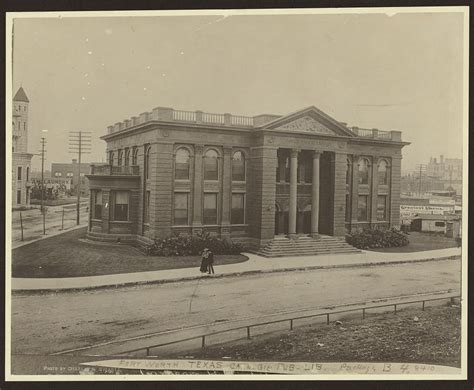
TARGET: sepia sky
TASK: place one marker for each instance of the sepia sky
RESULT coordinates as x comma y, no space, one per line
402,72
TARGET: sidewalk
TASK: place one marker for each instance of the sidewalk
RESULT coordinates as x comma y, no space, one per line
255,264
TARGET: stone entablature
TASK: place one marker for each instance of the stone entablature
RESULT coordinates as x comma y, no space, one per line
303,124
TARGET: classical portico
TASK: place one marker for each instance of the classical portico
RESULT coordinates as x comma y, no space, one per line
304,177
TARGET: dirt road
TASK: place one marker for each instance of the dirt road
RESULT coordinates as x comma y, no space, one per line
33,221
59,322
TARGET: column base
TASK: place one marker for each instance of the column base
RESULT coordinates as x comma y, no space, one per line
314,235
225,230
292,236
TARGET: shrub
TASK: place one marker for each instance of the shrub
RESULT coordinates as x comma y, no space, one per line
377,238
177,245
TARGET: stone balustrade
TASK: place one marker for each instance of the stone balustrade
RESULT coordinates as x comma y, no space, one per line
168,114
108,170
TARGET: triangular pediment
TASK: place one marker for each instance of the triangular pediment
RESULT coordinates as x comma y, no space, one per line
310,120
308,124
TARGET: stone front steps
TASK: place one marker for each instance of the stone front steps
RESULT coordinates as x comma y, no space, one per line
306,246
140,242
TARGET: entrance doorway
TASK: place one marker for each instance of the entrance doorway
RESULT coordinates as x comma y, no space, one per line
281,220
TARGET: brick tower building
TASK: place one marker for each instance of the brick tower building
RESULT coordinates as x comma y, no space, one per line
21,162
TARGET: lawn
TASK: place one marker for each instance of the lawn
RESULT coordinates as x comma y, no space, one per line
422,242
66,255
432,336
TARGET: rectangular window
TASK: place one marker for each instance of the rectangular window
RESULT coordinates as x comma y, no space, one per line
18,197
439,224
19,173
147,207
210,209
120,206
238,209
27,173
181,171
382,208
98,205
362,208
181,208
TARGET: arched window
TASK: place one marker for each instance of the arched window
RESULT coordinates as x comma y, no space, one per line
363,171
111,158
135,156
383,172
211,165
238,166
127,157
120,158
181,168
348,172
147,162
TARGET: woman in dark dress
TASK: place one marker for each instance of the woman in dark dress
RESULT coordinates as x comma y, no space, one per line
210,262
204,256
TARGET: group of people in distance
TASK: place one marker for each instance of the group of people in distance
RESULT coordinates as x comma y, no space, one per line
207,261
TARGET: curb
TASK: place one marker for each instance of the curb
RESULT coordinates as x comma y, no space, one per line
231,274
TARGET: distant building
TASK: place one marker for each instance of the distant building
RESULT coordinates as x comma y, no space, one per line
449,225
448,171
21,161
411,184
70,171
410,207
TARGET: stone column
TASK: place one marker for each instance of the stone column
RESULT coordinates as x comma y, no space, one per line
339,165
197,189
315,196
226,192
105,210
261,194
373,190
161,189
395,174
354,189
293,193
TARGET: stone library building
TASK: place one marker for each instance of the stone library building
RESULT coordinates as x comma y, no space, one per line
299,178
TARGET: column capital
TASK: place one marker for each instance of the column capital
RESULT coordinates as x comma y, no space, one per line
227,149
317,153
198,148
294,152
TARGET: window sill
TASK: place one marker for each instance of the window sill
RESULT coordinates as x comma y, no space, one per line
96,220
122,222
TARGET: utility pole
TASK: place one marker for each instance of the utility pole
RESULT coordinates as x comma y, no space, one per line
421,168
79,142
43,143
